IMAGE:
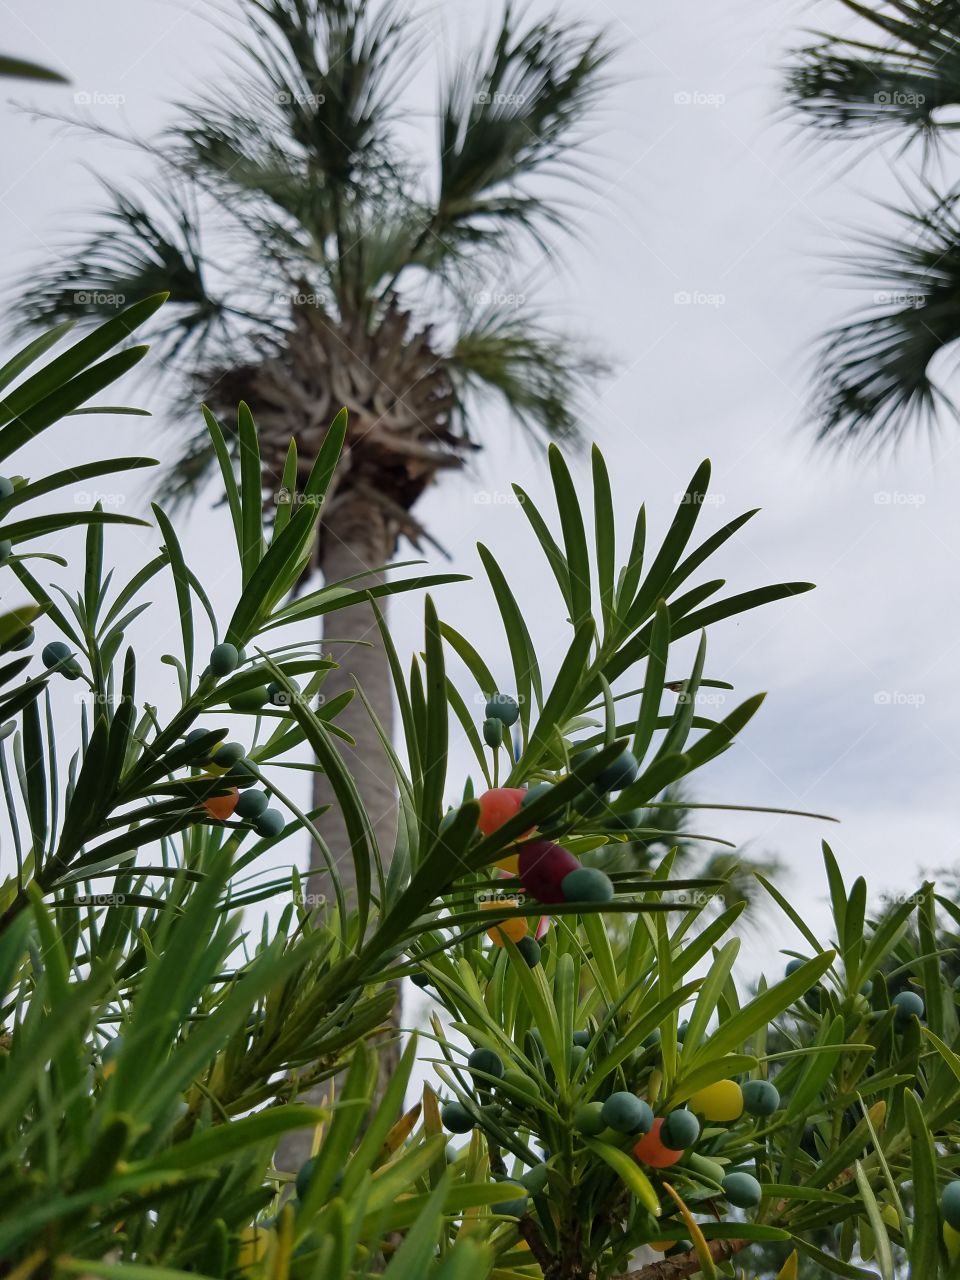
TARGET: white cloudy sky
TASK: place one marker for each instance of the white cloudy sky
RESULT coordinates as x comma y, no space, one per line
718,197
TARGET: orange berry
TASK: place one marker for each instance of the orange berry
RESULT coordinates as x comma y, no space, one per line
498,806
514,927
222,807
651,1151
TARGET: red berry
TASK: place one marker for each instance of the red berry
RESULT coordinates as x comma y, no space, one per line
222,807
542,868
652,1152
497,807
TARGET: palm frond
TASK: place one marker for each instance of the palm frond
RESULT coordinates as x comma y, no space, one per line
538,374
320,81
874,371
898,80
136,253
22,69
510,115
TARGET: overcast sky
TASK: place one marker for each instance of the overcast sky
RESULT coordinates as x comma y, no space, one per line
703,271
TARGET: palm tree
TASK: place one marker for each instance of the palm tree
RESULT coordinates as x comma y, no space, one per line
354,270
896,77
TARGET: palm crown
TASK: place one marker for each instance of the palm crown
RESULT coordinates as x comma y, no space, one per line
353,266
897,77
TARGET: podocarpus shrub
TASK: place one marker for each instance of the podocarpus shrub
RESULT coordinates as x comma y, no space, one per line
616,1085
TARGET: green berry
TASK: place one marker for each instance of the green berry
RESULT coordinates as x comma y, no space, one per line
195,735
493,733
592,801
619,773
503,708
241,775
867,989
682,1029
304,1176
511,1208
229,754
742,1190
249,699
6,488
456,1117
224,658
60,655
586,884
251,805
535,792
270,823
652,1039
907,1004
680,1130
421,980
6,551
529,948
793,966
626,1113
579,759
582,1038
55,652
518,1083
278,695
950,1204
577,1055
588,1119
485,1062
629,821
760,1098
535,1179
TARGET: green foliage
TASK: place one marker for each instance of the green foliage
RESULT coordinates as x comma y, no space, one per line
155,1043
304,168
897,75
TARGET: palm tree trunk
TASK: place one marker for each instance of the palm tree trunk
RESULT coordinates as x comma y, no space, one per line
361,538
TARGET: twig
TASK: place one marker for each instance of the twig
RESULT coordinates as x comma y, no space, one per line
685,1264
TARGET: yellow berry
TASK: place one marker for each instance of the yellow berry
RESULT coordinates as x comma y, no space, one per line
253,1246
722,1101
